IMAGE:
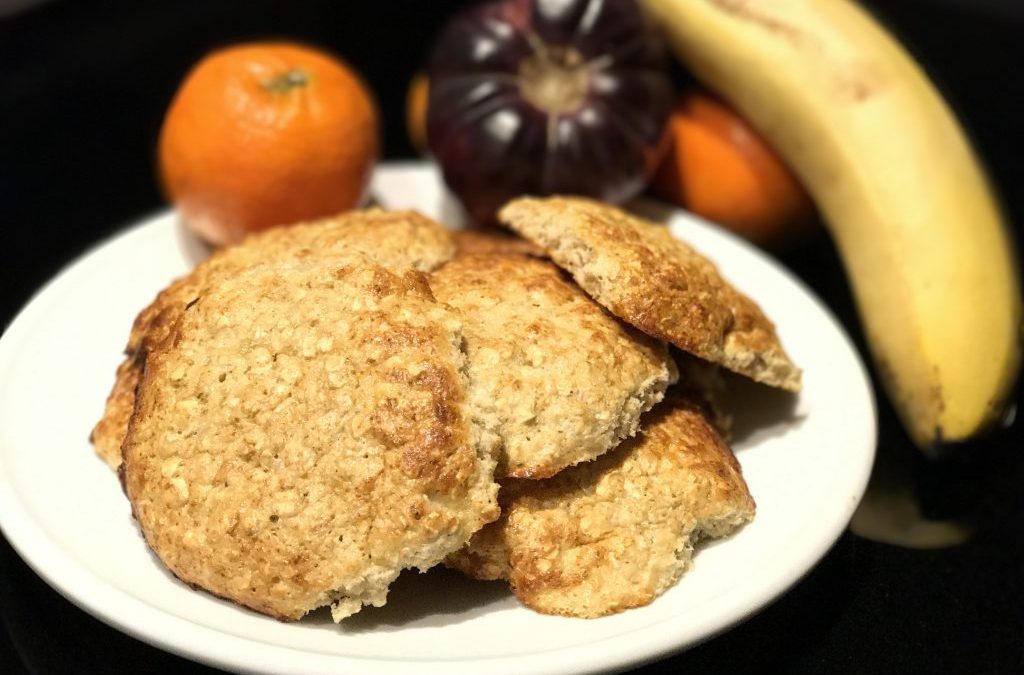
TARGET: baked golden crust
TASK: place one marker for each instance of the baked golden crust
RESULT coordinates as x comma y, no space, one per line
556,378
302,434
493,240
642,274
396,240
108,433
486,556
615,533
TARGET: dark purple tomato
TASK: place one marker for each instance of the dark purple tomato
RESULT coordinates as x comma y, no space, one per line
547,97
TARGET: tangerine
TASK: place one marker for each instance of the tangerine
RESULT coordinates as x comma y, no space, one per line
267,134
718,167
416,111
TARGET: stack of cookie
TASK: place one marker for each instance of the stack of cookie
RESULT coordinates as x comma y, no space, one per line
307,414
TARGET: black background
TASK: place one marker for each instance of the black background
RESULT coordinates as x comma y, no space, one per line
83,87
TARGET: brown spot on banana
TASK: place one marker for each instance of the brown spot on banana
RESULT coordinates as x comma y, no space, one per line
741,9
858,82
854,82
921,412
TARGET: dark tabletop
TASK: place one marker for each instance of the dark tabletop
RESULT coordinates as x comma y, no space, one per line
83,86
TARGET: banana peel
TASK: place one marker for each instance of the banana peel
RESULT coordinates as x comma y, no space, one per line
915,220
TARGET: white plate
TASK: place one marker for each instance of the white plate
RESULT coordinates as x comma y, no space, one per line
64,512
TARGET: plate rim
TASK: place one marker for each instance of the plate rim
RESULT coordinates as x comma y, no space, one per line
206,644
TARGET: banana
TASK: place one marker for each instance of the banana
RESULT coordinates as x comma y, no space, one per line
914,218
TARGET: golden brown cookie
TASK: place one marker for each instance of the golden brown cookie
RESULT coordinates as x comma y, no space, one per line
398,239
303,435
617,532
647,277
555,377
394,239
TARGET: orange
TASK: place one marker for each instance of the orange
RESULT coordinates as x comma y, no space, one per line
416,111
267,134
719,168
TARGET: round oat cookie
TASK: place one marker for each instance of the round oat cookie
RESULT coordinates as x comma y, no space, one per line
617,532
555,377
394,239
303,435
647,277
